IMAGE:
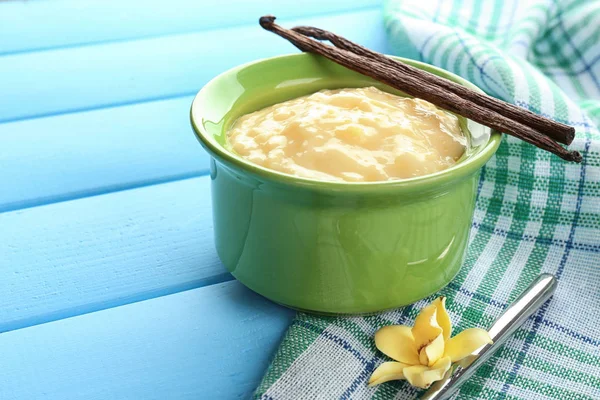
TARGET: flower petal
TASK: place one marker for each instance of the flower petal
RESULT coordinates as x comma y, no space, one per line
431,353
415,375
423,359
466,343
397,342
443,319
426,328
387,371
422,376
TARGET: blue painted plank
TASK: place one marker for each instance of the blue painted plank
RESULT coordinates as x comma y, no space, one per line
80,256
83,78
46,160
41,24
209,343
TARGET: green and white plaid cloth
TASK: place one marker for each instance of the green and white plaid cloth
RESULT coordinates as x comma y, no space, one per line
535,213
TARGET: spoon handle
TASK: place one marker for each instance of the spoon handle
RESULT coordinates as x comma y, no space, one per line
540,290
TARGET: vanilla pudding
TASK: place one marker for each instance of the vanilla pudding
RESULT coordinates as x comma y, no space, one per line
350,135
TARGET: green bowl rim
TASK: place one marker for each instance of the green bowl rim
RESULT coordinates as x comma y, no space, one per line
458,171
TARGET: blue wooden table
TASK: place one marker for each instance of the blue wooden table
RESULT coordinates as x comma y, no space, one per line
110,287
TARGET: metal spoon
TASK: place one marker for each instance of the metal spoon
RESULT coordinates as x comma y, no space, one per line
540,290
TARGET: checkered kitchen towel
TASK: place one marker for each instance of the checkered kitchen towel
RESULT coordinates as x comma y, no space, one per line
535,213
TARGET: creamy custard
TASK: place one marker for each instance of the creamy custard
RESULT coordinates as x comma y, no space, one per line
352,135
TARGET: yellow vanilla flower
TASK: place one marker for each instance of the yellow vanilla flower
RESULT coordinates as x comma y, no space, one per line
424,352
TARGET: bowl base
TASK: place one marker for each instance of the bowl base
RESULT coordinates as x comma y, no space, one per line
357,314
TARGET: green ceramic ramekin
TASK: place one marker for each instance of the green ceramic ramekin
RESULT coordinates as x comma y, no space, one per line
322,246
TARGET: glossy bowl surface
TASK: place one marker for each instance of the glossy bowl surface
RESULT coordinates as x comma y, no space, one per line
331,247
